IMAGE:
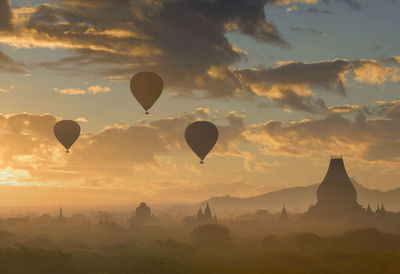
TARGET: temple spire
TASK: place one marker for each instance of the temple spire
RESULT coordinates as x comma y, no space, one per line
336,195
207,212
284,217
337,186
200,213
60,214
369,210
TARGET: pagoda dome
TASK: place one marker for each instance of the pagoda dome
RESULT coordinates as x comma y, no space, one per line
337,186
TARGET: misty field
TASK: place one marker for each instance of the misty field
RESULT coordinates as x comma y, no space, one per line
208,249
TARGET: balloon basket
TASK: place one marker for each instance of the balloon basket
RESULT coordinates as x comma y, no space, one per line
147,113
202,162
67,151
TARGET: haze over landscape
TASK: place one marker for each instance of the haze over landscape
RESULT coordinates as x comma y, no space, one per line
199,136
288,83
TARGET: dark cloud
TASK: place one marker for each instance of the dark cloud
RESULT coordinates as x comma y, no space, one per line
183,40
291,99
371,134
325,74
352,3
288,84
5,16
313,10
309,31
395,59
8,65
388,110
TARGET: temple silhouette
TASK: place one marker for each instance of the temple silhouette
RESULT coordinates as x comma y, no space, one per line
284,217
205,217
60,213
336,195
337,203
143,213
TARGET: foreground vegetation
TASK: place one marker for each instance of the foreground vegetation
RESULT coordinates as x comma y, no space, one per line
361,251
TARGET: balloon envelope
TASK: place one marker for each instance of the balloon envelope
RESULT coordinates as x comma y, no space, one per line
201,136
147,88
67,132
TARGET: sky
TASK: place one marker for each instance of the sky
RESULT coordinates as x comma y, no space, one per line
288,83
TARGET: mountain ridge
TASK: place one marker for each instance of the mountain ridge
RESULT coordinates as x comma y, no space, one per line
298,199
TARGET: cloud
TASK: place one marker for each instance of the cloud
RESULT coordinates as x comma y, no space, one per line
372,72
290,84
148,35
93,90
329,74
391,60
125,157
290,2
313,10
344,108
81,119
184,41
71,91
371,135
5,16
388,109
8,65
295,97
116,78
117,152
98,89
3,90
310,31
351,3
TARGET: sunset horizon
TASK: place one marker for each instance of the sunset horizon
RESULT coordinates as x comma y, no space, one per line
276,80
199,136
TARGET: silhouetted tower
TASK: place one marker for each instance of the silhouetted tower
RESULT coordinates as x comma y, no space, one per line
143,213
200,214
369,210
284,217
206,217
378,210
336,195
207,213
383,210
60,214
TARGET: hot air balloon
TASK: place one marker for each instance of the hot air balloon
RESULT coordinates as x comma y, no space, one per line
147,88
67,132
201,136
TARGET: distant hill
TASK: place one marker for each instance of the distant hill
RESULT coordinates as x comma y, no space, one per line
298,199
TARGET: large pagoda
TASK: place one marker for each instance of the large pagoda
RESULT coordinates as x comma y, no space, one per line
336,195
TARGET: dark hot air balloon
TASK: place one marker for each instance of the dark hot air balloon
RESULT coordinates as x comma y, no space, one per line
201,136
147,88
67,132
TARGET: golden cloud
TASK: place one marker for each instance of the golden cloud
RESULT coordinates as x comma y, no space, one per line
93,90
372,72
